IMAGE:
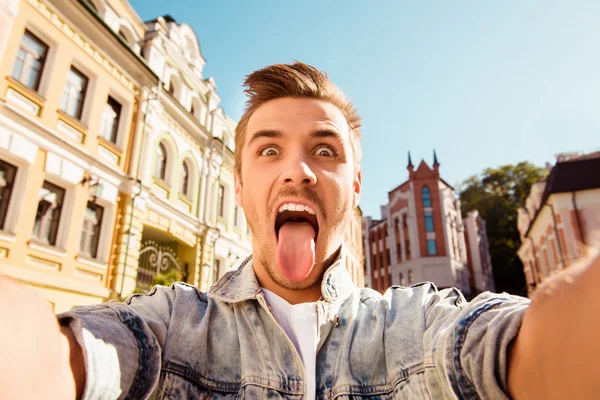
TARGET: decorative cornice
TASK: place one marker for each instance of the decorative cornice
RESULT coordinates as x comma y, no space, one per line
84,45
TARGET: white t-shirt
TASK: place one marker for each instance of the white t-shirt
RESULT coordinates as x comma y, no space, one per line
299,321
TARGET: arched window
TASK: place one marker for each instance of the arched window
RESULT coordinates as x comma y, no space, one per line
426,194
161,162
185,178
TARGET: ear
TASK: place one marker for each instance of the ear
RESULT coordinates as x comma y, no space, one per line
238,190
357,187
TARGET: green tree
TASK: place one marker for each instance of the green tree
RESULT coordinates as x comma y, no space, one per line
497,193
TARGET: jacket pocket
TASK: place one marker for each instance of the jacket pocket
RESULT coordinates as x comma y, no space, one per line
176,387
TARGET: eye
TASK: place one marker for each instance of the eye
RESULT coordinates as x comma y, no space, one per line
325,150
269,151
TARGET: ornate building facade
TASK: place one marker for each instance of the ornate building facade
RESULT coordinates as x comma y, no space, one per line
69,97
115,158
421,237
561,214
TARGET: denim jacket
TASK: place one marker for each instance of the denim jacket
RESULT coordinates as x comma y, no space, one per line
410,343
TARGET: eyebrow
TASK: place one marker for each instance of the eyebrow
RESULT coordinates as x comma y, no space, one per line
274,134
327,133
265,134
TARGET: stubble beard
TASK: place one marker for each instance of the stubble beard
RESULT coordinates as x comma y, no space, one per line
267,256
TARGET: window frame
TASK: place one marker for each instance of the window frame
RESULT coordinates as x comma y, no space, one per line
5,203
53,236
221,201
160,171
87,237
69,99
429,248
428,216
184,179
116,122
426,196
25,68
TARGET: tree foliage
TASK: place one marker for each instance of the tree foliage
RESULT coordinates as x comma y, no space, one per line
497,193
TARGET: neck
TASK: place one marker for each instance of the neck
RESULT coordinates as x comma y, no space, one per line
292,296
311,293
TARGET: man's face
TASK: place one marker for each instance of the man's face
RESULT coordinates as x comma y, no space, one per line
297,152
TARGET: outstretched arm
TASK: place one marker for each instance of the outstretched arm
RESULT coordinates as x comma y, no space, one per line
557,350
39,358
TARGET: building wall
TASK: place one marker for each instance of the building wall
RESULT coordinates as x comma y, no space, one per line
105,40
183,117
403,233
353,244
546,247
479,262
46,144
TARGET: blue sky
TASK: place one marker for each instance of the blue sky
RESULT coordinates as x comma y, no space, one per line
485,83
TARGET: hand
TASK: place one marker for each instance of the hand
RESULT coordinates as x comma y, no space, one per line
35,361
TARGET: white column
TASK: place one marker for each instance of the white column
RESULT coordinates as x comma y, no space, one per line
8,11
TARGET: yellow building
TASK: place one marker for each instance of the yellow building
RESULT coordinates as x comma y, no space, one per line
110,132
353,242
68,105
185,221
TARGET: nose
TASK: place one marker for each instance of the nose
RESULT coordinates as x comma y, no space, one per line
298,171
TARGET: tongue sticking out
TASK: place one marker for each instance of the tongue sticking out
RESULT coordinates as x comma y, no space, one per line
296,250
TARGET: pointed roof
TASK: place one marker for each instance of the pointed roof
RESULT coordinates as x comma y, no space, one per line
435,160
410,164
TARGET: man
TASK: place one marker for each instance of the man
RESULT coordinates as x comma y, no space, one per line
288,323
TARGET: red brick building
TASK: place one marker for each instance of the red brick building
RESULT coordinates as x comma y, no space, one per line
421,237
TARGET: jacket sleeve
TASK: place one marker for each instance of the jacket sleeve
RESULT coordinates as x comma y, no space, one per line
469,341
122,343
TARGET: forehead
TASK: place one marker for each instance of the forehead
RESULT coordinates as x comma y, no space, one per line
291,115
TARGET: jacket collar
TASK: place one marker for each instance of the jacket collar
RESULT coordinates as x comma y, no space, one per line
241,284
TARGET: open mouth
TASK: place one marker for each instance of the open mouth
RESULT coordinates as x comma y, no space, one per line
298,214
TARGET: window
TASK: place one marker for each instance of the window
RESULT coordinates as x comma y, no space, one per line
171,89
74,93
90,234
91,5
110,120
399,251
401,279
426,194
396,225
221,203
216,269
185,178
431,247
30,61
47,218
405,222
428,221
7,181
160,170
407,247
410,277
123,36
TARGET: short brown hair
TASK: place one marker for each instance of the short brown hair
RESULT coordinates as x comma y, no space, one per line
293,80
